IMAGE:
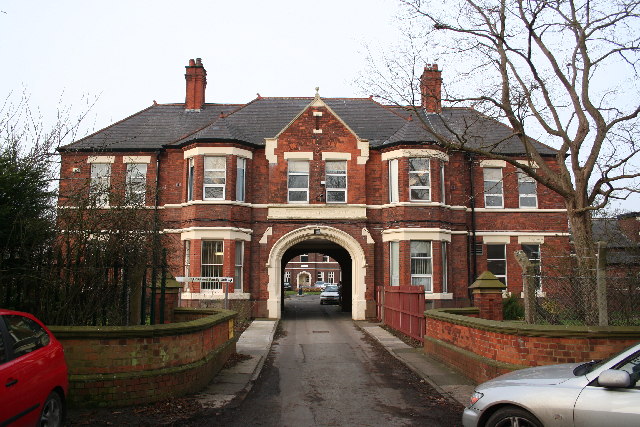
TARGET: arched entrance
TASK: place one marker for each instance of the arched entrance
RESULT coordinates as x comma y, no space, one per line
319,239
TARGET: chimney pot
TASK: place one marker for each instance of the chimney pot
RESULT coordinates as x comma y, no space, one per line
431,88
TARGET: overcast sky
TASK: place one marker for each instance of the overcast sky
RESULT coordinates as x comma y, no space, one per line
130,53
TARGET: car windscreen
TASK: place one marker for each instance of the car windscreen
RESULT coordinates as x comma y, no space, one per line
331,289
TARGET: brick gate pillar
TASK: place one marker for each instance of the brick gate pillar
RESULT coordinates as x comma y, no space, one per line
487,296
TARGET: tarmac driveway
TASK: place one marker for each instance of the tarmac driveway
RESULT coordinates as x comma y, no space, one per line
324,371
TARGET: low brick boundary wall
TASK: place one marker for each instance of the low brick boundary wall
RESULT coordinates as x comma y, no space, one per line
120,366
483,349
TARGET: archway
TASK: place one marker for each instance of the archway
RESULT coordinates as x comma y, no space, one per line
334,242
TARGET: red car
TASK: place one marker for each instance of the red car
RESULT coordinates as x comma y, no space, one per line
33,373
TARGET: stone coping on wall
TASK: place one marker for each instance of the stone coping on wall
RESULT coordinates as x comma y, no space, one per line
212,317
461,316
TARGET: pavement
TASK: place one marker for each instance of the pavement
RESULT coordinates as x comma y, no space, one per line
231,385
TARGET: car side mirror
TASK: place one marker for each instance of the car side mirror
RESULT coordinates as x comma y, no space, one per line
614,378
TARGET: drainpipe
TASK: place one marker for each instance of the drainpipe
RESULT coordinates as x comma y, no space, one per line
155,243
472,269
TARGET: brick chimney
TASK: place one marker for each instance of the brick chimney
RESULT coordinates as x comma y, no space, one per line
431,88
196,77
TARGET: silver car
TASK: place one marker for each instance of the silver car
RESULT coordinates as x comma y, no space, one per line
604,393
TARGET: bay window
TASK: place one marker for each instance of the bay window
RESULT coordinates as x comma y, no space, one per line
394,263
419,179
421,264
393,181
215,175
211,262
239,262
240,179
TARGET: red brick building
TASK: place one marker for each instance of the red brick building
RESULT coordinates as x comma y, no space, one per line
308,269
244,189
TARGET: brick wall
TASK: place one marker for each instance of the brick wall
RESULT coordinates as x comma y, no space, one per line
119,366
483,349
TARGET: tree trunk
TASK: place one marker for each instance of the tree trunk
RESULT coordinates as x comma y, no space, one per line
585,274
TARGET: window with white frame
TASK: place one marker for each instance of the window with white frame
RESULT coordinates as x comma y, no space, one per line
237,276
421,264
304,258
187,258
533,254
493,188
443,197
190,177
100,182
497,261
419,179
336,181
241,178
287,277
527,190
215,177
136,183
320,276
325,258
298,181
394,263
331,277
211,262
445,272
394,196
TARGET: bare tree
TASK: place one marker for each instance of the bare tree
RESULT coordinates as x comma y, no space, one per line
555,71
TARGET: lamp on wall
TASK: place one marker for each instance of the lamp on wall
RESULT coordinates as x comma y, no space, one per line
316,231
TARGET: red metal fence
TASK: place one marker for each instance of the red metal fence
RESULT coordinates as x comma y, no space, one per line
404,310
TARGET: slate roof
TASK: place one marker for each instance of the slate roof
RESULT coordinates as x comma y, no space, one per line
169,125
622,249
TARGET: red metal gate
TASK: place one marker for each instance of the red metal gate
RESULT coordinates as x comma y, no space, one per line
404,310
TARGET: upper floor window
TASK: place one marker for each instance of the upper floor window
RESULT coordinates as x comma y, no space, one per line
527,190
493,187
240,179
325,258
100,182
393,181
497,261
336,181
190,177
421,264
215,176
443,198
419,179
136,183
298,181
304,258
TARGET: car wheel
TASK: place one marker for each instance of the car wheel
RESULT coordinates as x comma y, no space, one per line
511,416
52,411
